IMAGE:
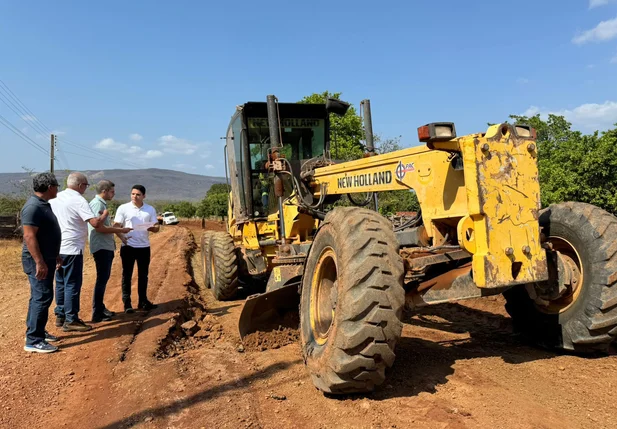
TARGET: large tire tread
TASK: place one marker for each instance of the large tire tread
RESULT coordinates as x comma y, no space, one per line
369,308
225,279
592,325
205,264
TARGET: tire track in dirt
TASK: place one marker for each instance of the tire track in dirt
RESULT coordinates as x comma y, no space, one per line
80,374
458,366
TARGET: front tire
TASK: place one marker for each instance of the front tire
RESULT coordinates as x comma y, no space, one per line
352,302
585,318
205,258
223,267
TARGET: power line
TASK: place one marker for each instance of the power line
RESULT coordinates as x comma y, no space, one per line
21,114
40,128
79,154
63,159
21,135
16,98
96,152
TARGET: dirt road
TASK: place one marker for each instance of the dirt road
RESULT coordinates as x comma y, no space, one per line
458,366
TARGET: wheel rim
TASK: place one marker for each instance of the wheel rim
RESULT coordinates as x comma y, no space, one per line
323,295
571,258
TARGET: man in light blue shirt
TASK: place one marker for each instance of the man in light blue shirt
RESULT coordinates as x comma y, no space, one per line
102,247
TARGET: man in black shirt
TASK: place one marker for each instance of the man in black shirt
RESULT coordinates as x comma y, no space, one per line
40,259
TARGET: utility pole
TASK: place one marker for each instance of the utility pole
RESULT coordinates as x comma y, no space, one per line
51,153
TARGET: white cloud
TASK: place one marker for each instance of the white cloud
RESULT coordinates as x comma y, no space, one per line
598,3
184,166
153,154
136,152
531,111
172,144
136,137
209,166
111,144
605,30
28,118
522,80
589,116
590,66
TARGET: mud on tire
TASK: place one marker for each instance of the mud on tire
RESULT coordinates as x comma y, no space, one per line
223,266
353,266
205,258
589,322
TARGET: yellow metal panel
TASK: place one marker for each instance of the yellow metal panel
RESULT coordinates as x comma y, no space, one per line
503,195
439,187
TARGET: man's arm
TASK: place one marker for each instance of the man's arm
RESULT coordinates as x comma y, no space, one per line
156,226
112,229
119,223
97,222
122,238
33,247
87,215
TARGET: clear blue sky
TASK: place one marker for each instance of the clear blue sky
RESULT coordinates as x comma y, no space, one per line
155,83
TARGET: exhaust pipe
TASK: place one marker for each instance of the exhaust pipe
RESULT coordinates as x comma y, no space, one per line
368,126
275,145
273,122
368,135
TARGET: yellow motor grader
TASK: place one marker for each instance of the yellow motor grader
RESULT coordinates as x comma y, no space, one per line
350,271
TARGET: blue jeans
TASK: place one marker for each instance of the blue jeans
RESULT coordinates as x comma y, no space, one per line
41,296
68,287
103,260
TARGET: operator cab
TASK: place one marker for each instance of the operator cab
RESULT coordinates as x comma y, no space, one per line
304,130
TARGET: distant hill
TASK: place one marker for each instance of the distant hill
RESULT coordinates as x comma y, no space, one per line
160,184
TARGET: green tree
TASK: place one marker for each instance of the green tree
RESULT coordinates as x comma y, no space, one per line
390,202
11,205
574,166
346,131
185,209
112,207
215,201
169,207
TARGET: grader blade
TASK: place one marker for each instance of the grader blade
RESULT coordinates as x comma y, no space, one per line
267,311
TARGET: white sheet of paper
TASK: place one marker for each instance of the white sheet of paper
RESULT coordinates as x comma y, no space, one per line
143,226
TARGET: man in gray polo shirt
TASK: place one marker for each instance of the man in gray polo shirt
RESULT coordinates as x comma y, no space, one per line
40,258
102,247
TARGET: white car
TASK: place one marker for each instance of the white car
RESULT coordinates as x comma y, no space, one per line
169,218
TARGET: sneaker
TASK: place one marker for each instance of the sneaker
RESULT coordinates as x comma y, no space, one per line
77,325
41,347
109,313
51,338
60,321
129,310
147,306
99,319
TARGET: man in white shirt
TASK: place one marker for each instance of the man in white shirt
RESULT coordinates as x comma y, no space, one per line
142,218
73,213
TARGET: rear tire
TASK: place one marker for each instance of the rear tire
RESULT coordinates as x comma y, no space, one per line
352,301
585,321
223,266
